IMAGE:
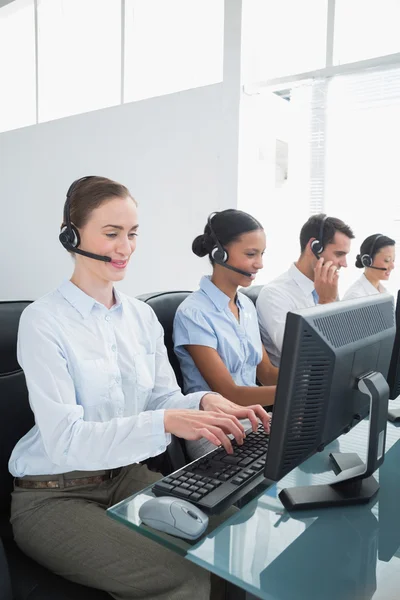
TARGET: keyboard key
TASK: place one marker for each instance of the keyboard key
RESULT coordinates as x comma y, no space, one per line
225,476
246,461
164,487
184,485
182,492
202,491
237,480
196,496
209,487
189,474
194,488
231,460
167,479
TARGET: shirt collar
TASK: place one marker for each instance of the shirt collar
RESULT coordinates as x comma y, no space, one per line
304,283
217,297
369,288
81,301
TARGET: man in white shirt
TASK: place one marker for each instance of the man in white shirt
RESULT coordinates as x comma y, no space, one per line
313,279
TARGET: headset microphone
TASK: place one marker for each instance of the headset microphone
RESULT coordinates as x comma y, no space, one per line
220,255
231,268
377,268
69,235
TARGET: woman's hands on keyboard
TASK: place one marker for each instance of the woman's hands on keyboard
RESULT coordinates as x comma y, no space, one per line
254,413
213,424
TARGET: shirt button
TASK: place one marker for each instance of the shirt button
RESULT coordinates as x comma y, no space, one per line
113,347
107,318
118,379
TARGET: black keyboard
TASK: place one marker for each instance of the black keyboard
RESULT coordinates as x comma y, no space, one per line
219,479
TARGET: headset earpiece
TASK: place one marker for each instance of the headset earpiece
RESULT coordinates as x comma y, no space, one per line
69,237
220,255
368,259
317,246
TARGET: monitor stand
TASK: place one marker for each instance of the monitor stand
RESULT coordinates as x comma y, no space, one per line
356,485
394,414
342,461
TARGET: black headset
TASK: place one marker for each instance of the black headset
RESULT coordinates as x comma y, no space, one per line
69,234
219,254
317,246
368,259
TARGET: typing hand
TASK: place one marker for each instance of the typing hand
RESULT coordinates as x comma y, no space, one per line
326,277
214,425
253,413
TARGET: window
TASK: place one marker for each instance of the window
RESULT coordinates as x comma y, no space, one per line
172,45
79,56
362,185
285,37
17,65
365,29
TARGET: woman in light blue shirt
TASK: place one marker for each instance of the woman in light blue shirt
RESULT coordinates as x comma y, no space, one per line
105,398
216,334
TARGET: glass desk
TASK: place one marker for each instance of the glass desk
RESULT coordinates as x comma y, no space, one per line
349,553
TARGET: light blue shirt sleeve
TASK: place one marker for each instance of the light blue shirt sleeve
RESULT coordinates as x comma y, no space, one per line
191,328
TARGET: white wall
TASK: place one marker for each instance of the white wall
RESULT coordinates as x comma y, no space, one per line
178,155
166,150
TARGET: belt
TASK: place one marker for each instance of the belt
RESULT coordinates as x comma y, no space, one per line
66,480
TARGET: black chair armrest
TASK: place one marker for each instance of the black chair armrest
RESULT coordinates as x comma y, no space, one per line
171,460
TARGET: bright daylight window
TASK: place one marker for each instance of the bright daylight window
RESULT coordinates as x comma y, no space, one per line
17,65
79,56
172,45
365,29
362,185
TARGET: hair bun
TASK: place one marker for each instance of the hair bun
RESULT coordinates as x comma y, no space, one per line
358,262
199,246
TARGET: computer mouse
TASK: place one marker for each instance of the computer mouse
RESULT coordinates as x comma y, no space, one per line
174,516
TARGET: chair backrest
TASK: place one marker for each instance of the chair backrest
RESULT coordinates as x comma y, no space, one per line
16,417
252,292
164,305
5,583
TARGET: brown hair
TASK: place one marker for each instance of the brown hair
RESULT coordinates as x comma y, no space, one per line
312,229
88,193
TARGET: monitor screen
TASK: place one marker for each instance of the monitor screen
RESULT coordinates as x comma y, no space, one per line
326,350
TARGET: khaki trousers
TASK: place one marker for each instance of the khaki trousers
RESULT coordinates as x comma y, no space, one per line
69,532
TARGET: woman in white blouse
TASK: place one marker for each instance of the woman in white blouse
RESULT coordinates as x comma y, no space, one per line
105,399
377,256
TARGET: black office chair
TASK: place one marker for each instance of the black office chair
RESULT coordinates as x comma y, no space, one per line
252,292
29,580
165,305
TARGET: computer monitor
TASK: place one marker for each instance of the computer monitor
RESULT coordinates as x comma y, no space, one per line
333,367
394,369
